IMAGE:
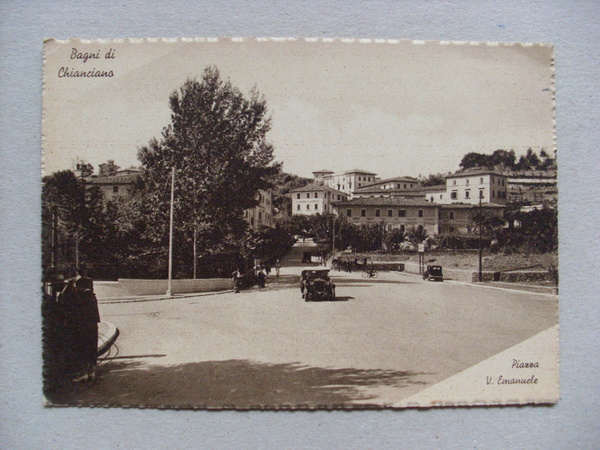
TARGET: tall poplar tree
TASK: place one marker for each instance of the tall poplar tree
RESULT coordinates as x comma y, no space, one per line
216,142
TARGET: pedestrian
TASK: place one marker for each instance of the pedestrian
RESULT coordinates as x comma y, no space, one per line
237,280
277,267
261,278
81,323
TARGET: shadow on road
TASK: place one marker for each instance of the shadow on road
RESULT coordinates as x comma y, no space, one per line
371,281
239,384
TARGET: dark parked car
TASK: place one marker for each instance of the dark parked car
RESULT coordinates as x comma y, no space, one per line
433,273
316,285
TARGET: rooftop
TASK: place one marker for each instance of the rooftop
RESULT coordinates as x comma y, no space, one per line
385,201
316,188
115,179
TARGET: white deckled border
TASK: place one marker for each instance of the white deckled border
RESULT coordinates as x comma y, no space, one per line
344,40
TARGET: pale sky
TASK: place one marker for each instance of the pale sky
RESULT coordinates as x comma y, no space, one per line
393,109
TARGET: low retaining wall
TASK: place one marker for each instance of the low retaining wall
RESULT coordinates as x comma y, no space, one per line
153,287
472,276
392,266
127,287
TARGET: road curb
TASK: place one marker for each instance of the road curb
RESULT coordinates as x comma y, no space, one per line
141,298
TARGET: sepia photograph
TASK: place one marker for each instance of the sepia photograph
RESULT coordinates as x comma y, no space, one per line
261,223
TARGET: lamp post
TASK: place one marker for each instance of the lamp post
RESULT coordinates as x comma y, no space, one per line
169,282
333,238
480,245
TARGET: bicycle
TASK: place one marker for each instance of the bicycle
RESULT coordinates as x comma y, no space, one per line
369,273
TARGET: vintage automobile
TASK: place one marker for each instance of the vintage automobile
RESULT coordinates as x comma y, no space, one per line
316,285
433,273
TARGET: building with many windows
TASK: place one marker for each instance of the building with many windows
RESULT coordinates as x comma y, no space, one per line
404,213
392,187
315,199
262,214
470,186
345,181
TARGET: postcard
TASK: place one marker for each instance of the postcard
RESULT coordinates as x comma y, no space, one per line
269,223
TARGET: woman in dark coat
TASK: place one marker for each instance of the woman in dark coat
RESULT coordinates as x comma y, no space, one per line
82,317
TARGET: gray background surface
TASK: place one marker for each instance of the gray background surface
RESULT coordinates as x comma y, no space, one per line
571,26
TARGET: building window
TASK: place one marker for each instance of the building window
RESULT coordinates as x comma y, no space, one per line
401,213
377,213
316,206
493,193
297,195
298,207
390,213
451,229
480,193
453,182
308,195
451,215
338,197
115,189
454,195
316,195
349,212
467,181
404,186
481,180
402,228
420,213
307,206
363,212
467,194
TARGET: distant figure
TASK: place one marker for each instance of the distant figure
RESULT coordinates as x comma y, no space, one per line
237,280
81,323
277,267
261,278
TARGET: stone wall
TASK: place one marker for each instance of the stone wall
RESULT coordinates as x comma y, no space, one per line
134,287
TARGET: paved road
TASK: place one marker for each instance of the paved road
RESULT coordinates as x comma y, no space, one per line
382,341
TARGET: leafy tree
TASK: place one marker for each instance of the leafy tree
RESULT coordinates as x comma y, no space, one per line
416,235
394,238
77,210
473,159
434,180
503,158
217,144
489,221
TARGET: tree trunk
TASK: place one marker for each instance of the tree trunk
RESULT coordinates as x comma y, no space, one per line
195,254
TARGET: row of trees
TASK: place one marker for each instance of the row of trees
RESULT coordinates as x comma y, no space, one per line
508,160
535,231
217,144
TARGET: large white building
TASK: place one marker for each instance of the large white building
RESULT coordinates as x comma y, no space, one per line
469,186
345,181
315,199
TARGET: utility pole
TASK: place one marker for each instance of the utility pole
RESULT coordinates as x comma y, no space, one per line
54,261
480,244
333,239
169,282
